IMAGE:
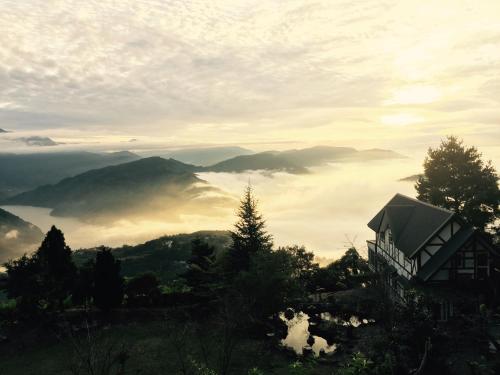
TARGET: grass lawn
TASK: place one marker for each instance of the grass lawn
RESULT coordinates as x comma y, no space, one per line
153,348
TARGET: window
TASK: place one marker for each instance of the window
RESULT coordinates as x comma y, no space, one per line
482,259
459,260
382,236
482,266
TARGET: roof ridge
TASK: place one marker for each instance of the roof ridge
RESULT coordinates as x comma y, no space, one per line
424,203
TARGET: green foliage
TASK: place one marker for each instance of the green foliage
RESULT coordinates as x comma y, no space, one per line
84,284
302,264
143,290
456,178
165,256
57,268
44,279
350,271
358,365
23,283
108,282
201,274
249,236
255,371
268,286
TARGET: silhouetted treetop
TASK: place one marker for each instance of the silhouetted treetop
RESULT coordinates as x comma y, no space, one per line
457,179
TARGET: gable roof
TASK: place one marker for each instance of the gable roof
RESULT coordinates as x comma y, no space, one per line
412,222
445,253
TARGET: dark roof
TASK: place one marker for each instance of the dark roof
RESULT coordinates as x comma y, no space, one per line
412,222
445,253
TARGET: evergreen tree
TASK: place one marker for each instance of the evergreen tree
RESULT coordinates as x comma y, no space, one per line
57,270
108,282
457,179
23,283
249,236
84,284
201,271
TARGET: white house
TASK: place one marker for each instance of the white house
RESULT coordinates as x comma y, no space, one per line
416,241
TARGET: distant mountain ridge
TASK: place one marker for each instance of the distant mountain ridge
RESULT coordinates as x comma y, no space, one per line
23,172
38,141
3,131
206,156
150,185
16,236
298,161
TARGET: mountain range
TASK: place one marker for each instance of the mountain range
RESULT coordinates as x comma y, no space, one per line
38,141
204,156
149,186
17,236
298,161
132,186
22,172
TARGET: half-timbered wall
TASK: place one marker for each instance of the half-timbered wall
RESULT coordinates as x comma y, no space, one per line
393,256
472,262
438,241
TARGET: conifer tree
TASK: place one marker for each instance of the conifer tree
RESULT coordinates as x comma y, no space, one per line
57,270
249,235
108,282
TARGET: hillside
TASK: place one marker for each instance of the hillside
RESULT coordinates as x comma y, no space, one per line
22,172
207,155
297,161
166,256
150,186
3,131
17,236
270,161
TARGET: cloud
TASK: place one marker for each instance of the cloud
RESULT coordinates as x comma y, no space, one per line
38,141
11,235
165,68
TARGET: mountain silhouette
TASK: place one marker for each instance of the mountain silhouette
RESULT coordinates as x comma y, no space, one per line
17,236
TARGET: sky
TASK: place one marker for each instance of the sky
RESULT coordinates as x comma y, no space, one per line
262,74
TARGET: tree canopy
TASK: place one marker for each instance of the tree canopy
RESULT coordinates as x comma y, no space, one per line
249,235
456,178
108,282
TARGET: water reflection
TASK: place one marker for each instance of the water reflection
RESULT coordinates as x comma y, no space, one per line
298,336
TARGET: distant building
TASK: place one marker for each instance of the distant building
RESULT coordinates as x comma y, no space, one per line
420,245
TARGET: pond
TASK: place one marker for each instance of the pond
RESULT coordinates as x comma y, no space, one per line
300,339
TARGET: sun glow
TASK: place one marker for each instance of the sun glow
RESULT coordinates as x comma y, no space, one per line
414,95
400,119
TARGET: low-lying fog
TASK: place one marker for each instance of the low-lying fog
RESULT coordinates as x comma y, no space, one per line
323,210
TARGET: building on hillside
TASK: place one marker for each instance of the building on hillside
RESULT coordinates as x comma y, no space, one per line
420,245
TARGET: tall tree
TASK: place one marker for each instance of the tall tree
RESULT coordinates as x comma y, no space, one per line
201,266
249,235
57,270
84,284
456,178
23,283
108,282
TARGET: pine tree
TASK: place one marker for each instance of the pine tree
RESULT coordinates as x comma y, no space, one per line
457,179
57,270
108,282
249,235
